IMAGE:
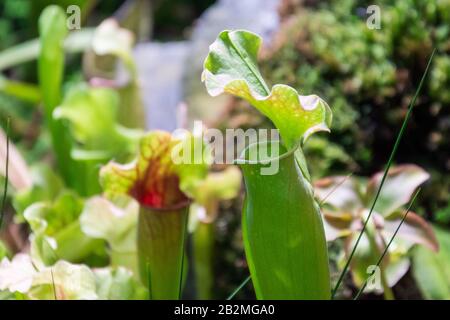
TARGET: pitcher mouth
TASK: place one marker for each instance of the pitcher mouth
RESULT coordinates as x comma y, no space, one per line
172,207
263,152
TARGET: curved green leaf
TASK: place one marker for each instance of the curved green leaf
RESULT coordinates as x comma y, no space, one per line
231,67
110,39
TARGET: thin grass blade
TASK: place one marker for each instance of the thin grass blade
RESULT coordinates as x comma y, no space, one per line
239,288
390,160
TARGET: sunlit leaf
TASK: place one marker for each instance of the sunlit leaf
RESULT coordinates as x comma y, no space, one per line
118,284
17,274
92,115
70,282
102,219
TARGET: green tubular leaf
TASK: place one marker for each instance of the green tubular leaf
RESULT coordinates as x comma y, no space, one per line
231,67
284,238
283,233
52,31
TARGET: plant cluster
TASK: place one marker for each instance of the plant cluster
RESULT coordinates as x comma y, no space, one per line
107,211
